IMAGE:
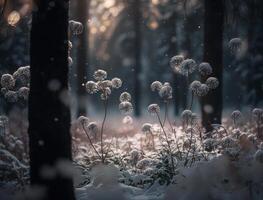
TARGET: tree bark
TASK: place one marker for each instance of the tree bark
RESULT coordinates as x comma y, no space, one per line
82,13
137,54
213,54
48,113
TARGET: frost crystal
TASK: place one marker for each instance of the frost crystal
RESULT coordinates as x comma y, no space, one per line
205,69
125,107
125,96
156,86
154,109
7,81
212,82
100,75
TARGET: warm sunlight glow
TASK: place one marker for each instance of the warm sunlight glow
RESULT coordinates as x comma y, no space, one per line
13,18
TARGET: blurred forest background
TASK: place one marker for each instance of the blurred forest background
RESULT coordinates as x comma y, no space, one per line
135,40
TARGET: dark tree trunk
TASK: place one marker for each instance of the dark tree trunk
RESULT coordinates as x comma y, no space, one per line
137,54
48,113
82,13
213,53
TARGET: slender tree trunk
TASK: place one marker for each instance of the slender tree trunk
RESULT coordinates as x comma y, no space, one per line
137,54
82,45
213,53
49,116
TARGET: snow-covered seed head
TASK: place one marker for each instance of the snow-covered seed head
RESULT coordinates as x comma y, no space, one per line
22,75
7,81
146,127
259,156
105,93
194,86
100,75
202,90
116,83
156,86
3,120
257,114
75,27
127,120
125,96
102,85
23,93
236,115
176,61
209,144
82,120
235,45
11,96
205,69
126,107
91,87
212,82
187,67
166,92
93,127
154,109
194,119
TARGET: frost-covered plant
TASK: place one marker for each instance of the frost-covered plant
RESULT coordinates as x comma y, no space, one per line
212,83
75,27
103,87
187,67
175,62
16,87
154,109
205,69
236,116
235,45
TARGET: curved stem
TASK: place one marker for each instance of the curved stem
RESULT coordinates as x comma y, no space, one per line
102,129
167,141
90,141
192,100
165,112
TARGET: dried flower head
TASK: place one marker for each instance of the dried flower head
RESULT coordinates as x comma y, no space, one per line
176,61
127,120
116,83
125,96
187,67
146,127
11,96
75,27
205,69
105,93
156,86
194,86
126,107
154,109
257,114
22,75
235,44
23,93
166,92
212,82
91,87
202,90
100,75
93,127
236,115
7,81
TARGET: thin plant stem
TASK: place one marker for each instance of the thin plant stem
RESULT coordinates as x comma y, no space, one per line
167,141
192,100
102,129
91,141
